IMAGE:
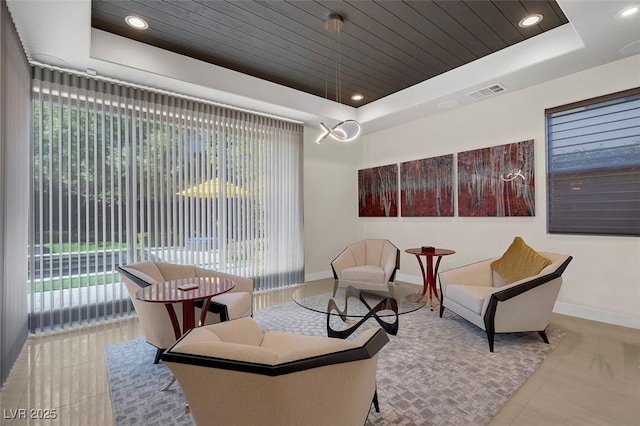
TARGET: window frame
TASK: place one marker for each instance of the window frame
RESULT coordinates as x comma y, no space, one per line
593,172
124,173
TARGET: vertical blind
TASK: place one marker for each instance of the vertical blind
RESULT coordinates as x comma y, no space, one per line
123,174
15,128
593,166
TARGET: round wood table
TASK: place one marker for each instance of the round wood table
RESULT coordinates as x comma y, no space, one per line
429,275
169,292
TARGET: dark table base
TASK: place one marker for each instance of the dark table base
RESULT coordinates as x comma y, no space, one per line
385,304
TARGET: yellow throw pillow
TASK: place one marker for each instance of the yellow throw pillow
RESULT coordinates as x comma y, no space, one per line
519,261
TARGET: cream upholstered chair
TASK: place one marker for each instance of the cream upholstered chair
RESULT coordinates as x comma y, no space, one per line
483,297
154,319
369,264
234,374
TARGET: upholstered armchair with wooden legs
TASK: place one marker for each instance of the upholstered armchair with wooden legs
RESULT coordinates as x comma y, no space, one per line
479,294
234,374
154,318
368,265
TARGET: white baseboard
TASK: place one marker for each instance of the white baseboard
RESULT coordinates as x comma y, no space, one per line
411,279
318,276
599,315
577,311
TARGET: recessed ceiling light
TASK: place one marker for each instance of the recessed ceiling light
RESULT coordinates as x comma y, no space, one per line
530,20
357,97
628,11
136,22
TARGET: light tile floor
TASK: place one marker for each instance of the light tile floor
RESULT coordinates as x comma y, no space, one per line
592,377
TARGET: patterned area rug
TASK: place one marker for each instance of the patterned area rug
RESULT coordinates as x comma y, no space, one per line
436,371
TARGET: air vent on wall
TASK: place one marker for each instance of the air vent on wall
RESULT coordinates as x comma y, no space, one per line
487,91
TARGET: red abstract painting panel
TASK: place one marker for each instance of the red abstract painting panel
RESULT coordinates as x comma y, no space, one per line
378,191
426,187
497,181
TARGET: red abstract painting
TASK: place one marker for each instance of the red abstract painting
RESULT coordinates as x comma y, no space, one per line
378,191
497,181
426,187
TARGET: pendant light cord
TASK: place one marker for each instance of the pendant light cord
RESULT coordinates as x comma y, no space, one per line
346,130
339,72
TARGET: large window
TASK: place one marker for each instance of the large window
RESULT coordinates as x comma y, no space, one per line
123,174
593,166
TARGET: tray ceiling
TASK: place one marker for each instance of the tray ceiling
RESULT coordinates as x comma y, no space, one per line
385,46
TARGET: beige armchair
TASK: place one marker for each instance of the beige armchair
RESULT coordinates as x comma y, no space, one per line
479,295
369,264
154,318
234,374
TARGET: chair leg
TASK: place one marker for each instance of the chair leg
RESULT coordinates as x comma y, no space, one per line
543,334
220,309
158,355
376,405
441,308
490,337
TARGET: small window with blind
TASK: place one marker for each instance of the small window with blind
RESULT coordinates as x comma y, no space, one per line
593,166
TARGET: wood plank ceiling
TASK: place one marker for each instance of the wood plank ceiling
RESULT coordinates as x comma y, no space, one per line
384,46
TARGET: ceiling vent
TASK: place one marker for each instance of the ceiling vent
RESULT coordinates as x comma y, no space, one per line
487,91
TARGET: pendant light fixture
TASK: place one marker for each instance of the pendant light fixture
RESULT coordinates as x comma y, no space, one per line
346,130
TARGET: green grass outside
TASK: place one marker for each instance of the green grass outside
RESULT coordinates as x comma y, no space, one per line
77,281
84,247
48,284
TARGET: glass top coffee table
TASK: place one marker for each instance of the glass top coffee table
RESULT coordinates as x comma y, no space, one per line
350,303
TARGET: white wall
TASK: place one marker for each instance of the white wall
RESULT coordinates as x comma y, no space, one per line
330,182
602,282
